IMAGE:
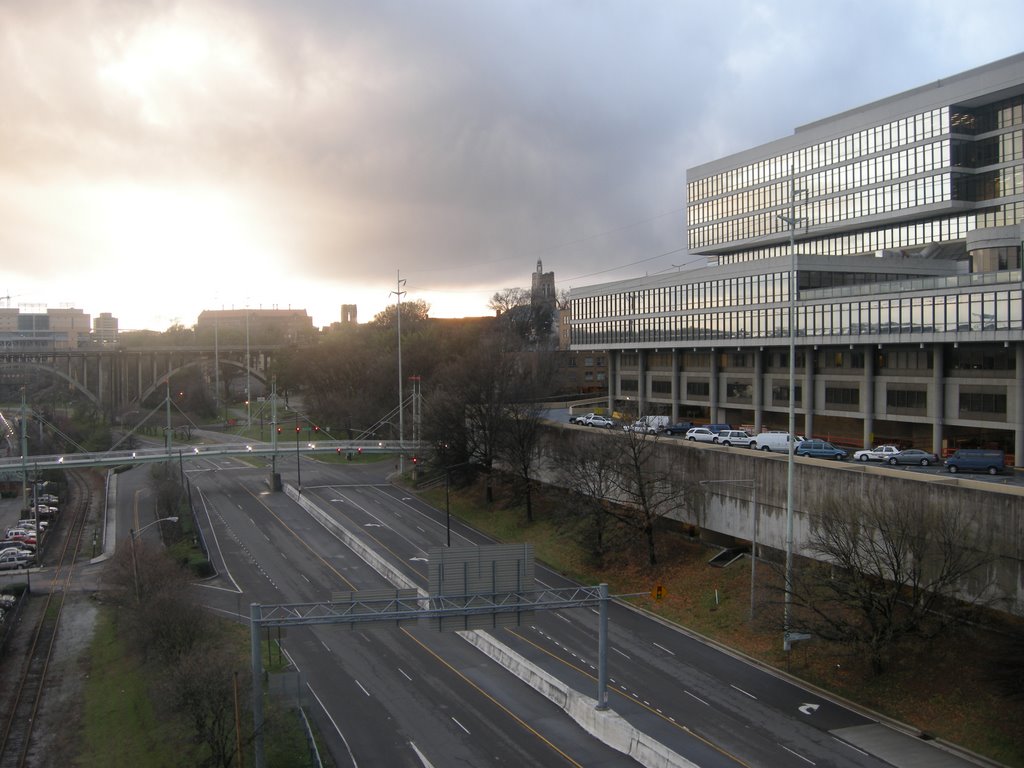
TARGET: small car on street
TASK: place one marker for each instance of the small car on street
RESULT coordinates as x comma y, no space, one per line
819,449
701,435
878,453
597,420
914,456
736,437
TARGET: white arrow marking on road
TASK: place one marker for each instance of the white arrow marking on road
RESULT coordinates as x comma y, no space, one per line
371,525
418,560
808,709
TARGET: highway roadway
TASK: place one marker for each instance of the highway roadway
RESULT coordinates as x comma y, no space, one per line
389,696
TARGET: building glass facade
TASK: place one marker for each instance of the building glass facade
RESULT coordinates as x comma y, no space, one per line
899,224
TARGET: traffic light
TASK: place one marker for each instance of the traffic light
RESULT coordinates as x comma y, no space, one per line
279,430
316,429
359,450
298,429
415,460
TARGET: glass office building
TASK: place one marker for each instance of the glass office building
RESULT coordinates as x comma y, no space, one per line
884,243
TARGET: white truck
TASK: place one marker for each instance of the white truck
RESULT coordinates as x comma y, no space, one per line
651,425
773,441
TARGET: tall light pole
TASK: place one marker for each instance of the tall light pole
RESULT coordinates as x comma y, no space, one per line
792,220
248,391
135,563
401,418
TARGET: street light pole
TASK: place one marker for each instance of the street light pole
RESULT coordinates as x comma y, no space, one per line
298,464
135,562
792,222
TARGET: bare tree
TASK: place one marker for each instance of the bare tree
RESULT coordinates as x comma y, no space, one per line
887,567
587,467
507,299
647,486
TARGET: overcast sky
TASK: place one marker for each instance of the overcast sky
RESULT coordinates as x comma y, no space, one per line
161,158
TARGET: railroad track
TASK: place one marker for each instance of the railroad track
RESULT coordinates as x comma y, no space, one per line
24,707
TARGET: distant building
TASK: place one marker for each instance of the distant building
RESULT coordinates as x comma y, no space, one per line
54,329
348,314
104,329
260,326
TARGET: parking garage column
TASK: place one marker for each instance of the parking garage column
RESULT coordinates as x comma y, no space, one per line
868,438
713,389
675,385
758,391
1018,437
641,382
809,392
613,378
937,401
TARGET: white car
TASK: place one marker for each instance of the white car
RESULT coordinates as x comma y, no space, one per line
597,420
701,435
878,453
734,437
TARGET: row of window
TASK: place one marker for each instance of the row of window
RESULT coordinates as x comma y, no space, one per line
902,196
973,357
729,292
922,159
907,236
837,398
1005,182
1004,148
991,117
981,311
879,138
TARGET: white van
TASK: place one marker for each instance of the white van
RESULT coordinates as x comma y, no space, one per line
773,441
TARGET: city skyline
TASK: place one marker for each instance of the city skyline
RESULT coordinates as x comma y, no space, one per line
166,159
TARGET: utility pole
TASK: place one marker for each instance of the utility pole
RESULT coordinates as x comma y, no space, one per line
792,221
401,410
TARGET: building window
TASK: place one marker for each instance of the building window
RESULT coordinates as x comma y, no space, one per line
843,397
982,402
698,389
661,387
739,392
906,400
780,394
629,385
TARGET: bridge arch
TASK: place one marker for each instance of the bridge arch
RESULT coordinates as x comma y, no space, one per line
162,381
57,373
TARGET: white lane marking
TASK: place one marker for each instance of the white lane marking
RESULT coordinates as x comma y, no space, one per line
460,725
698,698
797,754
743,692
404,675
213,532
325,645
848,744
620,653
666,650
336,728
421,756
361,687
305,577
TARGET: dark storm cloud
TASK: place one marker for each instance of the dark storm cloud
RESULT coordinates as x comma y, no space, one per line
457,142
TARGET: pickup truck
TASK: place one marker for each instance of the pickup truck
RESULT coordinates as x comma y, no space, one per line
878,453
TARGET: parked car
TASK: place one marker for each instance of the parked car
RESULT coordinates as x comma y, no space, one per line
30,524
736,437
597,420
20,534
701,435
773,441
976,460
649,424
580,419
679,428
820,449
914,456
878,453
12,560
17,544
